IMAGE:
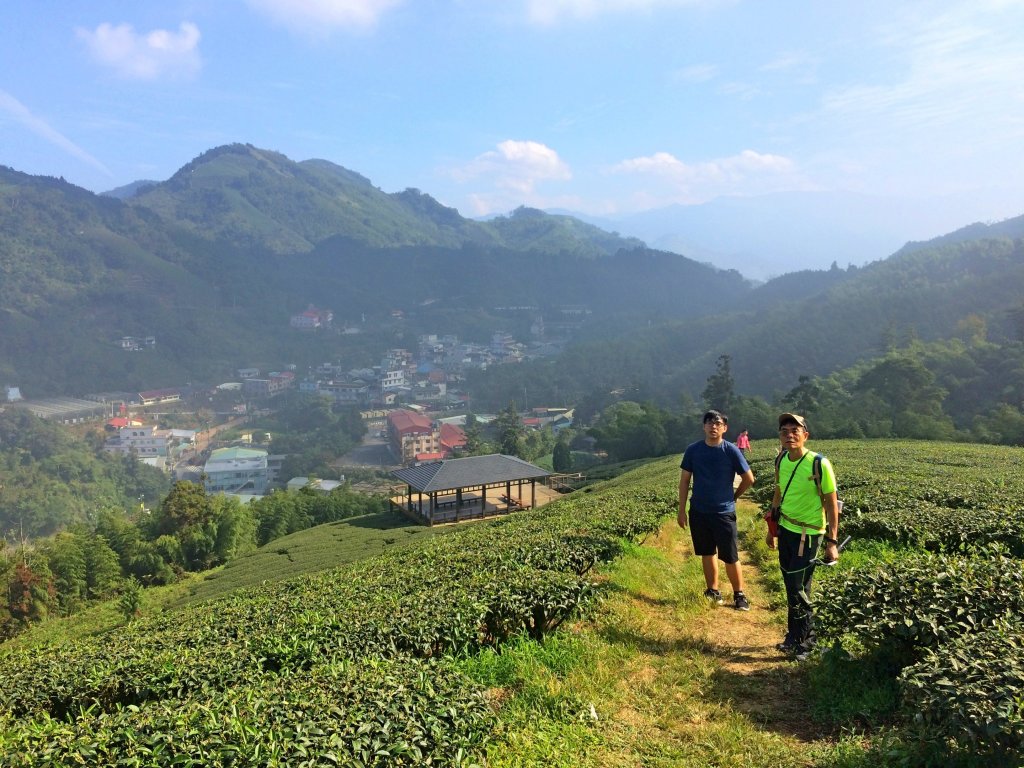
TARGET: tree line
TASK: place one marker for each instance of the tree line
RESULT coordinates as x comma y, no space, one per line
92,526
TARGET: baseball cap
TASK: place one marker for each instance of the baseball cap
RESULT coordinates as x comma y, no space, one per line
794,418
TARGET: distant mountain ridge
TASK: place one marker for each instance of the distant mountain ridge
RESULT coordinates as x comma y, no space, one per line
262,199
770,235
212,262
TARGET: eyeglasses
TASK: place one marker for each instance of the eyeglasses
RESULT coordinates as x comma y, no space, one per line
715,423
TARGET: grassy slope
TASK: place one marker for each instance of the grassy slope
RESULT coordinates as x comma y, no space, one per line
653,676
315,549
646,679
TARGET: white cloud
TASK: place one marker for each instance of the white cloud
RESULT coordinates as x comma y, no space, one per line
148,56
786,62
516,166
512,173
961,69
747,173
41,128
320,17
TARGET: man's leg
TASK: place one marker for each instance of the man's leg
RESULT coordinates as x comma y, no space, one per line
797,573
710,565
735,574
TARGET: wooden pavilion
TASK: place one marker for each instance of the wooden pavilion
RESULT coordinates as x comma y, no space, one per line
460,489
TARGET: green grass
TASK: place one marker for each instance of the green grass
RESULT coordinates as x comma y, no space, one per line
309,551
624,686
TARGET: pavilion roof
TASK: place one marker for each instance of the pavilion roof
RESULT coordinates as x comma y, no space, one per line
475,470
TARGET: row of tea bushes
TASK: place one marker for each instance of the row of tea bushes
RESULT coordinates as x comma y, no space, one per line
375,713
446,595
945,612
971,690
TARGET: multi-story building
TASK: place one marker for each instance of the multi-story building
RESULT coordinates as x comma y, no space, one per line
412,436
237,471
274,384
144,440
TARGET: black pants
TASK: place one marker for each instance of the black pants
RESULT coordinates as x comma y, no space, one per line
797,573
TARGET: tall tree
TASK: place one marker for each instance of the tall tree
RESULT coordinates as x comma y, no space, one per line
561,457
511,432
720,392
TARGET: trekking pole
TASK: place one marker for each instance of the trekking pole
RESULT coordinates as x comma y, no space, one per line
830,563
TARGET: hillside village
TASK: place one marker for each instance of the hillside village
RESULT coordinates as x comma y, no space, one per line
402,401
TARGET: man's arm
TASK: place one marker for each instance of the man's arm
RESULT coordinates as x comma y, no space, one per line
769,539
746,481
684,491
831,525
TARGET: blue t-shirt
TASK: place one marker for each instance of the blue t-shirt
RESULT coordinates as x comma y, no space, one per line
714,470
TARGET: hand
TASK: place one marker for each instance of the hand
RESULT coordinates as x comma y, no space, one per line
770,540
681,518
831,553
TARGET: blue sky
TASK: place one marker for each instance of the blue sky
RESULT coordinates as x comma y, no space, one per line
599,106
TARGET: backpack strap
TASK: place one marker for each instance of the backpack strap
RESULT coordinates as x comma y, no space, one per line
816,475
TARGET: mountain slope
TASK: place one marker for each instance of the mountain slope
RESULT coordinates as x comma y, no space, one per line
213,262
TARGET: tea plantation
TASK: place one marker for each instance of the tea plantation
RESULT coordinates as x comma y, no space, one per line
360,665
942,612
349,666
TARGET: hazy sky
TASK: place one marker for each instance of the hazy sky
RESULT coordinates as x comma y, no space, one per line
599,106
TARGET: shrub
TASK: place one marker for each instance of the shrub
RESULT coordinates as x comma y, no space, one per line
916,603
971,690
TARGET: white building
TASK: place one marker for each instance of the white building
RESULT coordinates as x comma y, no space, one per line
392,380
237,471
145,441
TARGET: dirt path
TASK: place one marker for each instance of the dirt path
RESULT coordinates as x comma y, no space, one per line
753,676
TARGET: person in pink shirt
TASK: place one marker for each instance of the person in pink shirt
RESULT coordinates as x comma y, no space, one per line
743,442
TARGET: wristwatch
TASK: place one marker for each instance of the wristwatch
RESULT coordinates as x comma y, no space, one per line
831,541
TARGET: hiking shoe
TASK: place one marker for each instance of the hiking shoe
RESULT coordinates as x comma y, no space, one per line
802,653
786,646
740,602
714,596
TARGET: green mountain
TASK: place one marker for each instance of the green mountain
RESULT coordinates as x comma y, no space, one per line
803,324
261,199
213,262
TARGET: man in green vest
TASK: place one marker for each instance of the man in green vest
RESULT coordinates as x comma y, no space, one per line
806,509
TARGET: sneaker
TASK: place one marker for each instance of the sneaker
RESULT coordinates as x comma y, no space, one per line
786,646
802,653
740,602
714,596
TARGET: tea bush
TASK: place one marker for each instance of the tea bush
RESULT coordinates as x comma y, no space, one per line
971,690
253,678
920,601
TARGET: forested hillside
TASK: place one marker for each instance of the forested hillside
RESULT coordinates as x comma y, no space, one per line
215,260
955,310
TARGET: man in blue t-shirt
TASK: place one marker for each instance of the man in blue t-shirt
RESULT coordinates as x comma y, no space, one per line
711,466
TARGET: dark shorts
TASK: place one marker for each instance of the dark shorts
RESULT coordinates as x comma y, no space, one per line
715,534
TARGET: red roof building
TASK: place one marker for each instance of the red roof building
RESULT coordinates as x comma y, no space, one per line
452,437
